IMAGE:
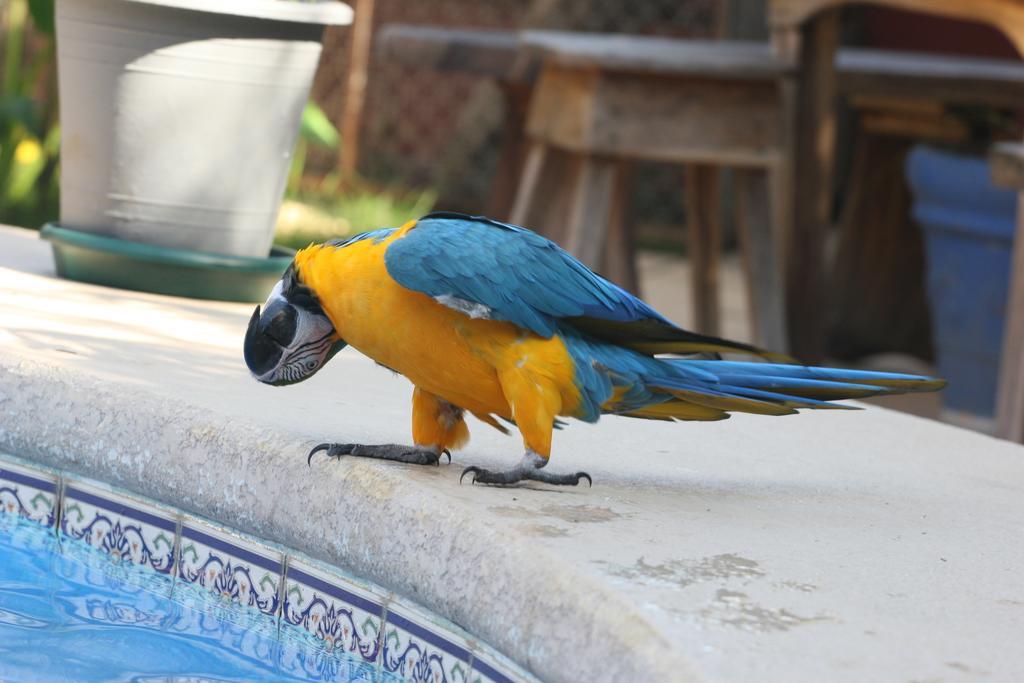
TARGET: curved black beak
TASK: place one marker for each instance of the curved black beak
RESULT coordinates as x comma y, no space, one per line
286,343
262,353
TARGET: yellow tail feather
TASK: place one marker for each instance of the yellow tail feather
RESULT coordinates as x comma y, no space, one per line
745,405
678,410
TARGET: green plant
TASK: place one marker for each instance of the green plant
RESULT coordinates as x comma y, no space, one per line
29,131
316,129
329,208
330,212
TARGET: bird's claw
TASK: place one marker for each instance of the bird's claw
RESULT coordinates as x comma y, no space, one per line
474,470
333,450
520,474
412,455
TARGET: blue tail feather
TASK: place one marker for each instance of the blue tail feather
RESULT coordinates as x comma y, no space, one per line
721,367
637,380
786,399
818,386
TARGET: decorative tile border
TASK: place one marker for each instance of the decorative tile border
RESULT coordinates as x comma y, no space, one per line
336,611
491,667
28,492
128,530
340,614
417,650
237,569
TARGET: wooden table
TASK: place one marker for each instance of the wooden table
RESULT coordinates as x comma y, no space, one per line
609,100
808,31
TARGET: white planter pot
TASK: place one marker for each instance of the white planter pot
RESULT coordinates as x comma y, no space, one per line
179,117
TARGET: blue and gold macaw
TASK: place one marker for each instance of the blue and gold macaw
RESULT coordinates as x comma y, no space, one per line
495,320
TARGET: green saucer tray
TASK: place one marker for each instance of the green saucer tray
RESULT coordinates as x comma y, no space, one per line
121,263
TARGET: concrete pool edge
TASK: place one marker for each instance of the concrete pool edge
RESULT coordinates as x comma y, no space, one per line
529,604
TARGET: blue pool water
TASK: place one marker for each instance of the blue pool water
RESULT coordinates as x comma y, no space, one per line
68,613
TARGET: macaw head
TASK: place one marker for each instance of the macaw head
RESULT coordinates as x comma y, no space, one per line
292,338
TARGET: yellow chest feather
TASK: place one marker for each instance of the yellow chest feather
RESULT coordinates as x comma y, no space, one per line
439,349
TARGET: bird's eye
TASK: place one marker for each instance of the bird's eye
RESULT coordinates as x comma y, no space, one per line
310,365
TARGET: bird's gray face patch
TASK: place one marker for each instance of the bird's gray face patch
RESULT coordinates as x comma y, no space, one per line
288,343
470,308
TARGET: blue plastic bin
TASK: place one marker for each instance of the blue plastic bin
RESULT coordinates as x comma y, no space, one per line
968,228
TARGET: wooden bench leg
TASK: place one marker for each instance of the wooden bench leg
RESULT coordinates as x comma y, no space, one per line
761,248
528,182
590,210
542,200
619,251
814,128
704,244
512,154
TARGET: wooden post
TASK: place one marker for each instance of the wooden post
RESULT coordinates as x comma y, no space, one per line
529,180
619,251
590,210
758,234
545,191
814,144
704,233
513,152
355,86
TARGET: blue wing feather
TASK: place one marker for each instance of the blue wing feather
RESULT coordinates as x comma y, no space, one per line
370,234
520,276
530,281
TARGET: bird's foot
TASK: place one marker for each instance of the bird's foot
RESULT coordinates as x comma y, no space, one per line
413,455
530,468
